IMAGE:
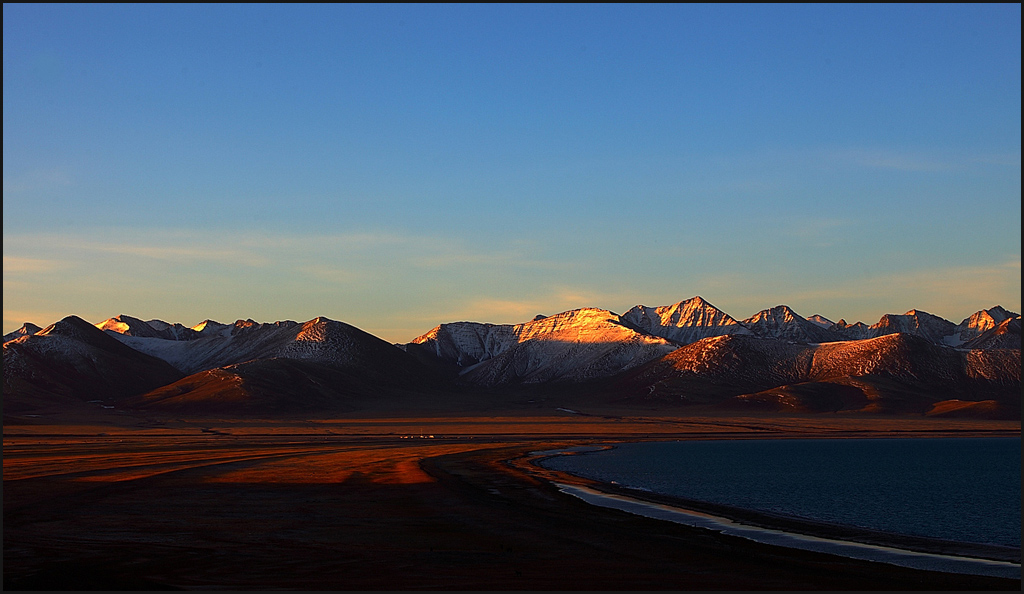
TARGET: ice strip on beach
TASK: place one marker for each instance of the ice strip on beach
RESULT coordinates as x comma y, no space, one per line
854,550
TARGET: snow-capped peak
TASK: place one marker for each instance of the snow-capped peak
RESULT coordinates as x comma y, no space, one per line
28,328
821,321
684,322
209,326
917,322
978,323
125,324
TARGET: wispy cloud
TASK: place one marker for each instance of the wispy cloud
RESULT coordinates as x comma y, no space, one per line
360,275
180,247
316,255
31,265
179,252
455,257
952,284
501,310
953,292
356,241
958,287
425,251
513,311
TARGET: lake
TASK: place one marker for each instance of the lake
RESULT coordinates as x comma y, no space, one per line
966,490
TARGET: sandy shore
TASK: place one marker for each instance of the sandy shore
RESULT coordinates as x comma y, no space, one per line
370,504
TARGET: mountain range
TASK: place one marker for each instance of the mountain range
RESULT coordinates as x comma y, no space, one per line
686,354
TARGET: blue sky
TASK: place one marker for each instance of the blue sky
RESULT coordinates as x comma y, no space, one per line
396,167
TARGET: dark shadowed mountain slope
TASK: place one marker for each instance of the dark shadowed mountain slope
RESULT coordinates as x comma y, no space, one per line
716,368
324,366
917,323
902,356
322,359
73,359
173,331
855,331
269,387
1000,366
897,373
344,346
783,323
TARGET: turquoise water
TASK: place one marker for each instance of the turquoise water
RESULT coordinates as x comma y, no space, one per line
966,490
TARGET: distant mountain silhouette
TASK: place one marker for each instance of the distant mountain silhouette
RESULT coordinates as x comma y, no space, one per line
689,353
72,359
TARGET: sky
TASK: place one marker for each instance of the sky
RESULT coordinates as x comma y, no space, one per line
396,167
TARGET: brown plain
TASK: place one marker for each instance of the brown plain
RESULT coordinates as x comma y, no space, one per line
442,501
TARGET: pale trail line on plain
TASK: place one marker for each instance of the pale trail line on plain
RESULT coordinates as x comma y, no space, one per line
854,550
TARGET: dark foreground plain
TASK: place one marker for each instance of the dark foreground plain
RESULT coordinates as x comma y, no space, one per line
443,502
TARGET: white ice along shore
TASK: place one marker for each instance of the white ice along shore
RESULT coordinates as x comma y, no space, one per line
853,550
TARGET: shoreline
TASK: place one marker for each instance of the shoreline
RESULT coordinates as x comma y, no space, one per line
845,548
854,542
358,505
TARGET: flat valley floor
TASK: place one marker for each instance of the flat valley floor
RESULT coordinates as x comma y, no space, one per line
442,502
